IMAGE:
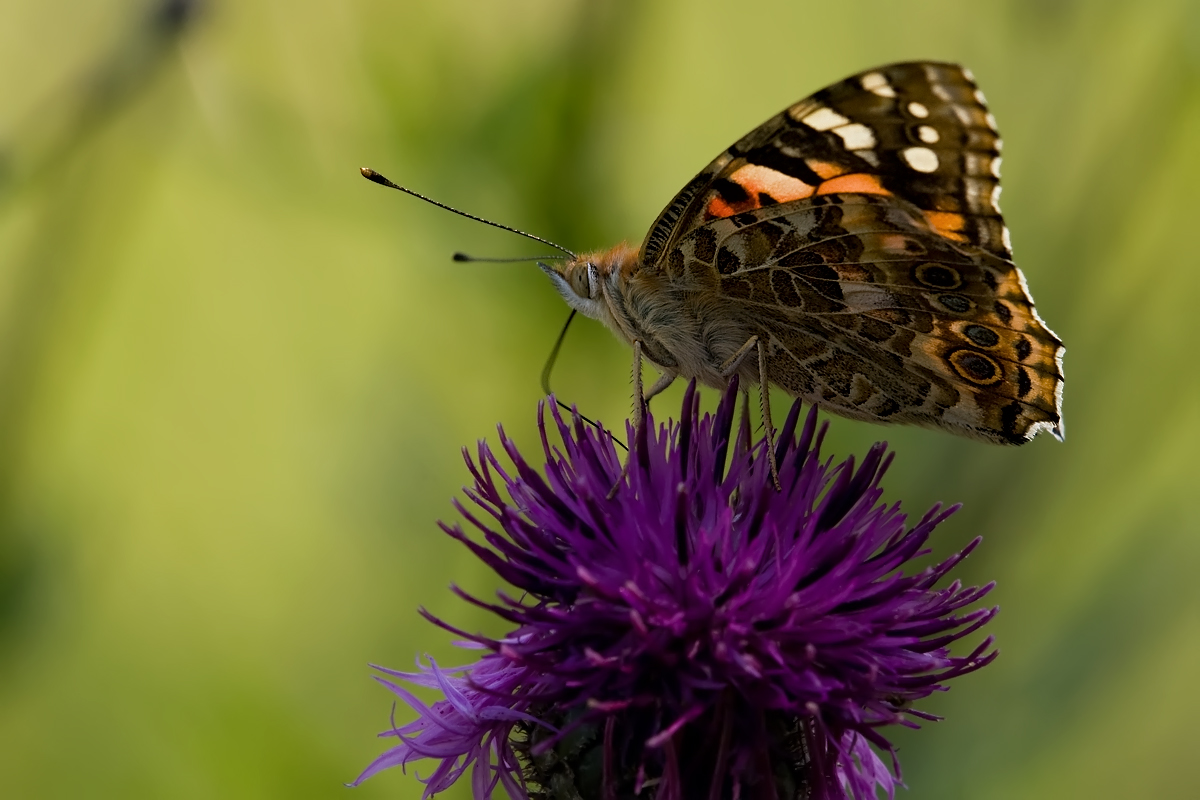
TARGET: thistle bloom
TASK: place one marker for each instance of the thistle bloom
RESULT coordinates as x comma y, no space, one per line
698,635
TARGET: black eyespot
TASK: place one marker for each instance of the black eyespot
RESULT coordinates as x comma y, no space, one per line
984,337
975,367
938,276
955,302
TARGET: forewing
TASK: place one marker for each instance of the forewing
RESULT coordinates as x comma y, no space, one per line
919,131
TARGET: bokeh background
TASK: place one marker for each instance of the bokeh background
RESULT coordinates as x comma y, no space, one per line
235,377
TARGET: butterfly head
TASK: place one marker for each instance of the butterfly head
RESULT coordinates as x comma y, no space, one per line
587,280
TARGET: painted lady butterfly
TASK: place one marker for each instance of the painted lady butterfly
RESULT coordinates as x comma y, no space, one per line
849,250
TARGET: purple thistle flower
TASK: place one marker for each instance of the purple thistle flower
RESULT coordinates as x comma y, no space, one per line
699,636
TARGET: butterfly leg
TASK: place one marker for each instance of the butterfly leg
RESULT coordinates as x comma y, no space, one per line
730,366
734,361
641,399
765,393
664,380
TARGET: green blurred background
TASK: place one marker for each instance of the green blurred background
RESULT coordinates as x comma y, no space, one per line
235,376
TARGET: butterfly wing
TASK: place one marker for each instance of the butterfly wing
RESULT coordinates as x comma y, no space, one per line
858,233
867,312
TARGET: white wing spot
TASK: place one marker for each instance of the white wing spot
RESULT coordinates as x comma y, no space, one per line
922,159
941,92
870,156
979,98
996,166
996,198
973,187
823,119
918,110
991,121
968,74
856,136
928,134
1007,239
877,83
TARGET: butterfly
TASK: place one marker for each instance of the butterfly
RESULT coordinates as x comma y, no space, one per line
851,251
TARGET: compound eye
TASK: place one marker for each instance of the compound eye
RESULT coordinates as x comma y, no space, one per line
578,281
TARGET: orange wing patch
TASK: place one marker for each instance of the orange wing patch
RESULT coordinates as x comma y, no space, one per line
825,169
718,208
946,224
759,184
781,188
859,182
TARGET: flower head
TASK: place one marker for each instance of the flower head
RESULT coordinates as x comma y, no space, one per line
698,634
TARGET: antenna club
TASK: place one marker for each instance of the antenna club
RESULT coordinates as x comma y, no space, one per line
373,176
461,257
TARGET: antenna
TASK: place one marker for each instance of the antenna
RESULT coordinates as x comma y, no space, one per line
475,259
375,177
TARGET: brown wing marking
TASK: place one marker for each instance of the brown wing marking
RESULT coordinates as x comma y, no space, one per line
862,380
